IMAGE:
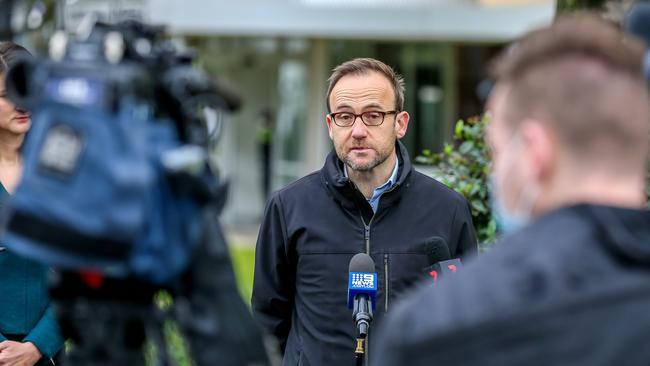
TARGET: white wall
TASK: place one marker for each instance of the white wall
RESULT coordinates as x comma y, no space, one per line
431,20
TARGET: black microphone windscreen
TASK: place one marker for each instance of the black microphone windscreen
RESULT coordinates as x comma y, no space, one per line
362,262
637,21
437,250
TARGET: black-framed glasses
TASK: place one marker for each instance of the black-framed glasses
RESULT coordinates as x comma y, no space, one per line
370,118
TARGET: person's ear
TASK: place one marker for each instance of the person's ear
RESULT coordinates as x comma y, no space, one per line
328,120
401,124
541,147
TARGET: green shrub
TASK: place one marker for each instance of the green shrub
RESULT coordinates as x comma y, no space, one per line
464,167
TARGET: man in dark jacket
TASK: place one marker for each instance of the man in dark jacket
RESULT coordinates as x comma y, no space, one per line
571,284
367,198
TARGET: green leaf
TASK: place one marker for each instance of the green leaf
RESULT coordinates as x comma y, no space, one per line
458,132
491,229
466,147
422,160
479,206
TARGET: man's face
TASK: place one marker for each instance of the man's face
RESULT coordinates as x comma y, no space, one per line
361,147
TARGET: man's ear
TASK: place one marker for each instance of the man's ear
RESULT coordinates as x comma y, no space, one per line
328,120
541,146
401,124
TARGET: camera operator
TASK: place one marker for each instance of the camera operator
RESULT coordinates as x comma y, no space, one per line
571,284
28,329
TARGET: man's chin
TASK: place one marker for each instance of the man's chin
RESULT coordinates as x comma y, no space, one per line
361,165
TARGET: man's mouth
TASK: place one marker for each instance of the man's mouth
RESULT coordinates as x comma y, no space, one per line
359,149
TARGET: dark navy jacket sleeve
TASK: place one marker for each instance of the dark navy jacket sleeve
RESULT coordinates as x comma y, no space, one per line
46,335
274,279
463,235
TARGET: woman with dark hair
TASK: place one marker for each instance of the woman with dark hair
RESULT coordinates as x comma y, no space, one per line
29,334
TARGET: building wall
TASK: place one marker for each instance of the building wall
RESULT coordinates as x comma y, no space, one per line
285,77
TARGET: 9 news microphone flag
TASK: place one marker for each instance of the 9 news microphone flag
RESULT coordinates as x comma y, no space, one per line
362,296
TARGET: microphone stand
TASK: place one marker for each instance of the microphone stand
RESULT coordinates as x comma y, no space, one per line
360,351
362,316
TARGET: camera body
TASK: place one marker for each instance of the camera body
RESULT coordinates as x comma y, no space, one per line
115,164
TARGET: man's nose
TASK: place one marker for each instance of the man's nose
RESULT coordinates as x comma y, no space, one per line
359,129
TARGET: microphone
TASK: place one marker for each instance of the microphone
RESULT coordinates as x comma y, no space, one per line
439,257
362,292
637,22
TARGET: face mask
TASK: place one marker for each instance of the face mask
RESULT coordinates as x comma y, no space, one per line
508,222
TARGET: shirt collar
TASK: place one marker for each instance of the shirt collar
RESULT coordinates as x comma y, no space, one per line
391,180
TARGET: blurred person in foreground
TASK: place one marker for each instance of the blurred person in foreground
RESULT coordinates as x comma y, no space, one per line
366,198
570,285
29,333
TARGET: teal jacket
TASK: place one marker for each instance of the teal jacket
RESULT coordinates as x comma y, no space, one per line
24,302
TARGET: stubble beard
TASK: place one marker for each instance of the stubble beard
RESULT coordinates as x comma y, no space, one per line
380,158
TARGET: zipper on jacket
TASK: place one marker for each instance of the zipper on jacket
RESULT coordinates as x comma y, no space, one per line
386,282
366,232
367,237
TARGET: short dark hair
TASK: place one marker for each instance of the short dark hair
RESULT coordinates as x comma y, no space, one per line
11,52
584,77
362,66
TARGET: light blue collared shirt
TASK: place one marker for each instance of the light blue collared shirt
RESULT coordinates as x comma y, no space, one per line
376,194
